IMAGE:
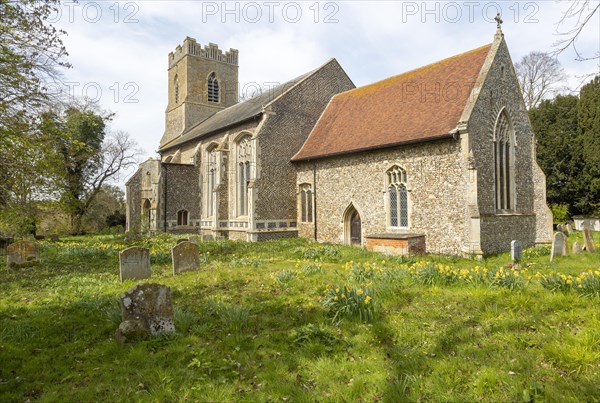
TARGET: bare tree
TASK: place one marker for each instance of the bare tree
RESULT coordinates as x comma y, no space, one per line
119,152
573,21
539,75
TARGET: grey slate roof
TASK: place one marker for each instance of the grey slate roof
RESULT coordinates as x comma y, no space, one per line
235,114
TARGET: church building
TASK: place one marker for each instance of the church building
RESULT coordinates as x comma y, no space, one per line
440,159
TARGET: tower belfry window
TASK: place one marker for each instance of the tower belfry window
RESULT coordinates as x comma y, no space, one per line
176,89
213,88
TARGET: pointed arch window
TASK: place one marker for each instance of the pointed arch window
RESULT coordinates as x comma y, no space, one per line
244,161
176,89
397,197
213,88
306,203
182,217
504,163
211,181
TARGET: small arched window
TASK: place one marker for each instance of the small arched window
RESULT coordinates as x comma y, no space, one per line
211,181
182,217
504,162
213,88
176,89
397,197
244,156
306,203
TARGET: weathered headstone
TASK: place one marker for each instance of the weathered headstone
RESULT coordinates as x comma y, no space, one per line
559,228
208,238
588,239
54,238
558,244
147,310
576,248
186,257
135,263
515,251
569,229
195,239
565,251
22,254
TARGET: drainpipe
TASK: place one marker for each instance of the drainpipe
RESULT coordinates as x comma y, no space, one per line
165,197
315,198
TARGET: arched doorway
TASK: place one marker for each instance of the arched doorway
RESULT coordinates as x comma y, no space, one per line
352,227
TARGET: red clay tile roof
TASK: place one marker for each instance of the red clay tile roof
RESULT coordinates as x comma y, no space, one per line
420,105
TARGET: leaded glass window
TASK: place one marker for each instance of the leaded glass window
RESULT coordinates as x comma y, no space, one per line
211,181
213,88
244,155
306,203
503,163
397,197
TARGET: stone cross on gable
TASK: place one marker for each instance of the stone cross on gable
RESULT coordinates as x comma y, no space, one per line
499,21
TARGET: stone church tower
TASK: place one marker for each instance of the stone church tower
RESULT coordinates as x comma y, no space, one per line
202,81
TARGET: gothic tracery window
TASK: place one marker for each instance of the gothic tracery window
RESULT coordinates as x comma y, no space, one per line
213,88
244,159
397,197
211,181
306,203
503,163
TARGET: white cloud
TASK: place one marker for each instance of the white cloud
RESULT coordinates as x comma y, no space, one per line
371,40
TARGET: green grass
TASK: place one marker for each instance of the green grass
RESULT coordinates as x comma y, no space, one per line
259,322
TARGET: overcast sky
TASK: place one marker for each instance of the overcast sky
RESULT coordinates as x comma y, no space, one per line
119,49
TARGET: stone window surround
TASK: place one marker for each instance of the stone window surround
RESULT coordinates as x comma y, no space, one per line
509,188
386,186
212,178
182,217
213,91
306,203
244,155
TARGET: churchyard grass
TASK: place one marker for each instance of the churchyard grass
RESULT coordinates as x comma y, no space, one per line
260,322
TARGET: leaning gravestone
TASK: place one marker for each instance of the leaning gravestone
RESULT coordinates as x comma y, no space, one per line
558,244
22,254
515,251
135,263
576,248
186,257
147,310
569,229
588,239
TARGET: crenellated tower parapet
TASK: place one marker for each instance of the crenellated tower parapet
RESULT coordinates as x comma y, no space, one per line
211,52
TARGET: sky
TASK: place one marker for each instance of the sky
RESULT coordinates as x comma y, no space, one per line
119,49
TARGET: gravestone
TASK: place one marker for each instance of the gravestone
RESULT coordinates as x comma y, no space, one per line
565,251
576,248
588,240
54,238
208,238
147,310
22,254
135,263
186,257
559,228
558,244
195,239
516,251
569,229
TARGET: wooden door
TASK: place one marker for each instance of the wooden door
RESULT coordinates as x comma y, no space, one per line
355,233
